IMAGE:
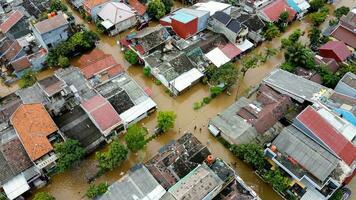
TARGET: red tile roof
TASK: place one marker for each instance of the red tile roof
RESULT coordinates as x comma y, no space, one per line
274,9
11,21
326,133
13,51
230,50
92,3
21,64
338,48
115,70
139,7
343,34
33,124
102,113
91,57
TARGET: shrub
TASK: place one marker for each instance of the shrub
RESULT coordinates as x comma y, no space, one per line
207,100
131,57
197,105
63,61
147,71
215,91
251,154
277,180
28,79
43,196
95,191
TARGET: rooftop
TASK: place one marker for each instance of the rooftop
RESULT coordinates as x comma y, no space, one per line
8,106
252,22
51,24
33,124
116,12
14,17
350,80
51,85
36,7
137,184
340,50
345,31
21,64
275,8
93,3
298,88
138,6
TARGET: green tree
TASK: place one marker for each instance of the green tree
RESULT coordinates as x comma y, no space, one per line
271,31
166,120
277,180
116,154
57,5
339,12
329,79
315,5
287,67
283,17
269,52
63,61
168,4
318,18
248,63
314,37
299,55
68,153
338,194
43,196
131,57
156,9
251,154
147,71
346,67
333,22
294,37
135,137
28,79
95,191
216,91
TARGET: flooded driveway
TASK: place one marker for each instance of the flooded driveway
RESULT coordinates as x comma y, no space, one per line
72,184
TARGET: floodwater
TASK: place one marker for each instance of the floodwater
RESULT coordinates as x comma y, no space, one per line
72,184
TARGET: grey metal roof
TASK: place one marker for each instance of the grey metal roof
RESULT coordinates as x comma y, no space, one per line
313,157
32,94
234,26
232,125
138,184
298,88
222,17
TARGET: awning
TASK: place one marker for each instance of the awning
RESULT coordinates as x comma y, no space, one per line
107,24
217,57
16,186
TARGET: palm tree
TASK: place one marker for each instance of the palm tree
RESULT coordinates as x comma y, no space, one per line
269,53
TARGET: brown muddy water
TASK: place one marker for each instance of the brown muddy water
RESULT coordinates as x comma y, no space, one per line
72,184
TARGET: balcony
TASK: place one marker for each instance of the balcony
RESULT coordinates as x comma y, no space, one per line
45,161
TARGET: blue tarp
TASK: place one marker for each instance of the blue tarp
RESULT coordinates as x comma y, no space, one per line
346,115
294,5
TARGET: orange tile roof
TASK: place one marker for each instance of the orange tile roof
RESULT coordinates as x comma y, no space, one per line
33,124
91,57
11,21
92,3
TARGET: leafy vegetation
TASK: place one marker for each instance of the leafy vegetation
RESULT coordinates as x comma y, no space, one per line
318,18
156,9
28,79
95,191
271,31
168,4
166,120
116,154
251,154
63,61
316,39
339,12
43,196
57,5
131,57
226,74
316,4
216,91
338,194
68,153
277,180
135,137
147,71
250,62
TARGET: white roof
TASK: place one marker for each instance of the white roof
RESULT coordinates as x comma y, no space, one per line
212,6
186,79
107,24
137,110
116,12
16,186
245,45
217,57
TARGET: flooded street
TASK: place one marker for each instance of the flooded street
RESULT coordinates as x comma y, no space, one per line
72,184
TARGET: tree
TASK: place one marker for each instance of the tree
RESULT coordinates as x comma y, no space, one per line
277,180
168,4
166,120
57,5
135,137
339,12
269,52
216,91
338,194
318,18
131,57
346,67
63,61
288,67
298,55
294,37
226,74
283,17
28,79
329,79
248,63
116,154
314,37
315,5
251,154
68,153
271,31
156,9
43,196
95,191
147,71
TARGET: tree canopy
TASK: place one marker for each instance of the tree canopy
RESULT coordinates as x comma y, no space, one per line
271,31
226,74
43,196
251,154
131,57
283,17
28,79
319,17
339,12
166,120
168,4
156,9
135,137
96,190
68,153
277,180
299,55
315,5
116,154
249,62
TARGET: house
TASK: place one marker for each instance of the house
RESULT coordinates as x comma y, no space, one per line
301,6
329,63
254,24
345,29
308,163
272,11
98,67
336,50
8,106
38,133
223,54
139,8
77,125
117,17
11,50
93,7
21,66
137,184
212,7
129,100
17,172
251,6
35,8
15,25
103,115
233,30
296,87
347,85
50,32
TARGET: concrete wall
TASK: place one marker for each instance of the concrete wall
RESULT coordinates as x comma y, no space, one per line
124,25
51,39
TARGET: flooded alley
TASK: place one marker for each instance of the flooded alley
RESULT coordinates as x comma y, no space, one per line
73,183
